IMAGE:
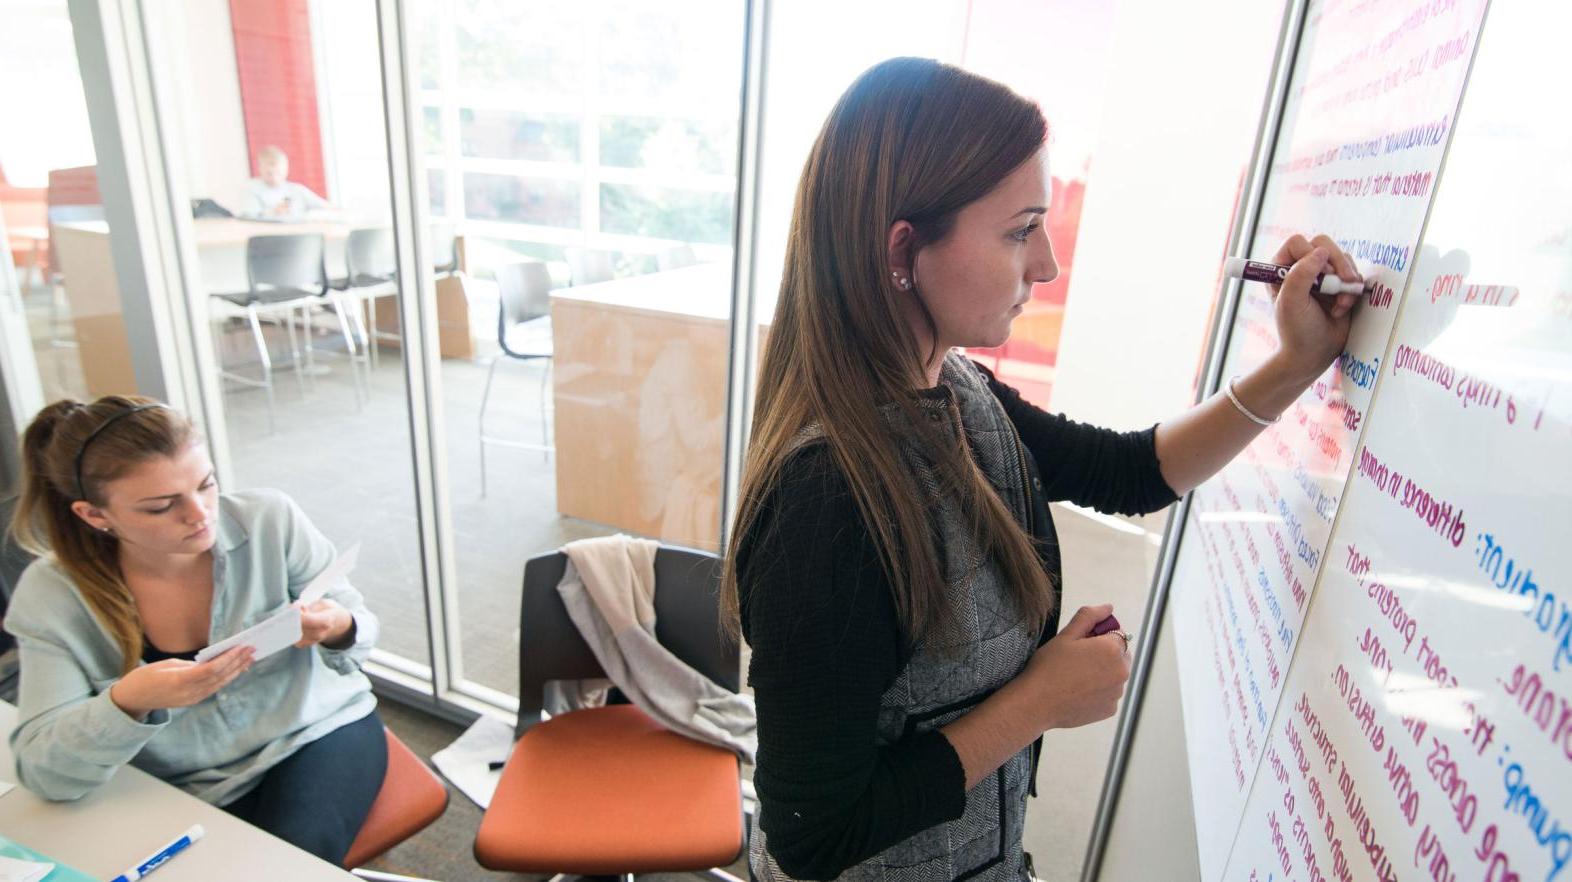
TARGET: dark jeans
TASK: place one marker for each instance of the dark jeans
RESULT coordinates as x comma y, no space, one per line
318,798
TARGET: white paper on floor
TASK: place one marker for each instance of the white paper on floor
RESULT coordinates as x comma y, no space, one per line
466,762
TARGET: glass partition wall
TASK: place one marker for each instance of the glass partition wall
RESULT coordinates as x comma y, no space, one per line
462,316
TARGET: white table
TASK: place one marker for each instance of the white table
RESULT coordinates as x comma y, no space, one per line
135,814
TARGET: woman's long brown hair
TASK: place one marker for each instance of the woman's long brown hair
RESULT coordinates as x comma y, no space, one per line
917,140
44,522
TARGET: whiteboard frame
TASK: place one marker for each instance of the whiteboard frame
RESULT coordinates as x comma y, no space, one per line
1246,218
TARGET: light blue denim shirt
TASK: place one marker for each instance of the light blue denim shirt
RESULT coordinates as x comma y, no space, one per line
70,737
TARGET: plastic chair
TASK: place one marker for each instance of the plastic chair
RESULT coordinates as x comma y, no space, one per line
371,266
411,798
444,250
523,334
591,265
286,273
608,790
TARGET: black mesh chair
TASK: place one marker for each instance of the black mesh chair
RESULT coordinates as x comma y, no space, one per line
286,274
523,334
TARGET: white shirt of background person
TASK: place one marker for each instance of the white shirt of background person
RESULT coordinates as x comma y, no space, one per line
272,195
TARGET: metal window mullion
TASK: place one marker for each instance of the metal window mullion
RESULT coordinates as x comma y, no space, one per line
742,356
417,319
589,123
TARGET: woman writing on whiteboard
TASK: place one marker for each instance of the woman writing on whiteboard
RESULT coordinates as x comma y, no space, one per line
143,563
893,563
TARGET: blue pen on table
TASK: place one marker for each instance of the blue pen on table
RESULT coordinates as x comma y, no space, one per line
164,854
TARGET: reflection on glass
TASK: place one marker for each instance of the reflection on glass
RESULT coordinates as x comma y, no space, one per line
666,213
437,189
521,200
518,47
598,141
684,145
312,383
431,129
504,134
54,218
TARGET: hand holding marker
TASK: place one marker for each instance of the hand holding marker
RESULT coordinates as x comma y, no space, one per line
1112,624
159,857
1272,274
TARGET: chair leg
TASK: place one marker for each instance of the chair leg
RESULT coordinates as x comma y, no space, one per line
294,349
344,327
485,396
267,364
369,334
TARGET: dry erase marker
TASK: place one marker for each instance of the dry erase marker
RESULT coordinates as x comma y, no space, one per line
1272,274
159,857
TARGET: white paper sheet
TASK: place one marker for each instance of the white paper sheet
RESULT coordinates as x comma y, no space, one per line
466,761
336,572
14,870
275,634
282,630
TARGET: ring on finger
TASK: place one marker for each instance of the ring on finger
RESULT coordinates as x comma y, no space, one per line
1126,636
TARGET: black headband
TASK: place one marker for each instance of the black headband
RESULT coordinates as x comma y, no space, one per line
82,451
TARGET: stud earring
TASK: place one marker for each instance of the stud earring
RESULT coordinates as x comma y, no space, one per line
902,283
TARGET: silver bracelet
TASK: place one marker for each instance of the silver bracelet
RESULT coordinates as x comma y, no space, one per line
1229,389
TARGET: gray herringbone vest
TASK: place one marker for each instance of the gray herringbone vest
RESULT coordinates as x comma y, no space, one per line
950,673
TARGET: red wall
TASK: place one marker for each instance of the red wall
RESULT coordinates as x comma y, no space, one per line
278,84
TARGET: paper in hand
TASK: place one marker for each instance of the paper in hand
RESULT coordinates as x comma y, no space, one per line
274,634
335,572
282,629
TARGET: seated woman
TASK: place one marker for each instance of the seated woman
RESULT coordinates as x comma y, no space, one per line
143,563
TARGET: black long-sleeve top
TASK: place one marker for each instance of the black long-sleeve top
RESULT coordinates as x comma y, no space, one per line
819,615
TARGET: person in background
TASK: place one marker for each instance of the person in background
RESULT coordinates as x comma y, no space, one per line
893,563
272,195
143,563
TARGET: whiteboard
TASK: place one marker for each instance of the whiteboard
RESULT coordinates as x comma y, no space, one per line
1424,730
1365,122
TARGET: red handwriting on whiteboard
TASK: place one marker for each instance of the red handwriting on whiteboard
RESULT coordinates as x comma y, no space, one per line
1437,513
1548,712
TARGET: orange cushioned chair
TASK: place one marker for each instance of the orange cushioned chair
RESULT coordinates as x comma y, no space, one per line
412,796
609,790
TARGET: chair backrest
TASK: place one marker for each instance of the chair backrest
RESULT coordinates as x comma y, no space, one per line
590,265
675,257
369,254
525,288
291,260
687,622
